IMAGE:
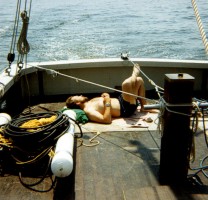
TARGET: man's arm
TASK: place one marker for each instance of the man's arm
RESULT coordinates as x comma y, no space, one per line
107,106
104,118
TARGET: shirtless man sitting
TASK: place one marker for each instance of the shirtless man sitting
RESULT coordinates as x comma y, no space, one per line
103,109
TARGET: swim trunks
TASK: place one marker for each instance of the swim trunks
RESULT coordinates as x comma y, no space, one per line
126,108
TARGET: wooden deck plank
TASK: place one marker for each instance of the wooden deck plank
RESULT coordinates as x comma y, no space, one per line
79,176
118,166
132,162
164,192
11,188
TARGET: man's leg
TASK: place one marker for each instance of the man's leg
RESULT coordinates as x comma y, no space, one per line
141,92
135,86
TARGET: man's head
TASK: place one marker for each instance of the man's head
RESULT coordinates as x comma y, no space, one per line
74,102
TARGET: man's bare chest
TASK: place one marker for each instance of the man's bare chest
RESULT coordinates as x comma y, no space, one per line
96,103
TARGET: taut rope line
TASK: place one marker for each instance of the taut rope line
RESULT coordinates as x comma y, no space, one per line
199,22
89,82
12,48
11,54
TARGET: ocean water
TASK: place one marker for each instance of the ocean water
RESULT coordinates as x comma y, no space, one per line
81,29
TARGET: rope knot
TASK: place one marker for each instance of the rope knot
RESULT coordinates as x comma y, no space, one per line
24,16
23,45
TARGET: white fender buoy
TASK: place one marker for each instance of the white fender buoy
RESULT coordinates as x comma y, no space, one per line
4,118
62,162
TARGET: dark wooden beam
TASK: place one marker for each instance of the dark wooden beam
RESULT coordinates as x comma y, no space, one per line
177,137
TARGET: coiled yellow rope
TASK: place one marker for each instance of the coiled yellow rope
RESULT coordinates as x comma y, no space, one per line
3,140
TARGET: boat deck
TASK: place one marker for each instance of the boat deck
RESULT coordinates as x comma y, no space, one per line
123,165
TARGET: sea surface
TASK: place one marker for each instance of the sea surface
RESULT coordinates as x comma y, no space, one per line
82,29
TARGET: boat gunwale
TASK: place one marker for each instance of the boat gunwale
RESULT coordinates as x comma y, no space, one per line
7,80
118,62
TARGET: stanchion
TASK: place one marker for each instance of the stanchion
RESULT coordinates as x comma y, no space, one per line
176,139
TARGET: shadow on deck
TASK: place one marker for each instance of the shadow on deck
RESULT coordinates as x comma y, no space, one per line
124,165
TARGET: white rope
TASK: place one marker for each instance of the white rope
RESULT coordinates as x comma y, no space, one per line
89,82
175,112
199,22
164,105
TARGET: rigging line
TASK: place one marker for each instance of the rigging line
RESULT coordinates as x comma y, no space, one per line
200,25
15,27
25,4
30,8
164,105
23,46
89,82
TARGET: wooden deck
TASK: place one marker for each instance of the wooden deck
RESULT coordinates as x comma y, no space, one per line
124,165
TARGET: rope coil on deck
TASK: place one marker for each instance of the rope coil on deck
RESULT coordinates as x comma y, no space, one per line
30,140
92,141
31,145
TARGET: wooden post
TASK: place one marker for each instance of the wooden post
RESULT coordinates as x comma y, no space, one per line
177,137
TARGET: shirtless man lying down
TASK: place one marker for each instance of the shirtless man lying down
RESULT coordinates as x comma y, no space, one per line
102,109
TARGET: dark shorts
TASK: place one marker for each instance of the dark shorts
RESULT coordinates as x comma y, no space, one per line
126,109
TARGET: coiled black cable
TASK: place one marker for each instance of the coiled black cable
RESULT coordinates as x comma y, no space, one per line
28,145
31,147
31,185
